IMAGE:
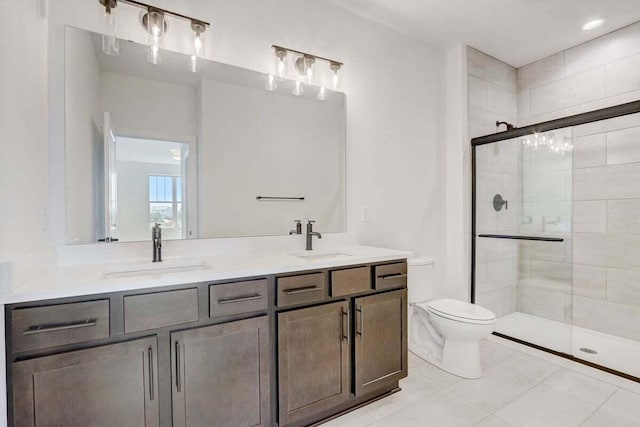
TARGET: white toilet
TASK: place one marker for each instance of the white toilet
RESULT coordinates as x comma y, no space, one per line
444,332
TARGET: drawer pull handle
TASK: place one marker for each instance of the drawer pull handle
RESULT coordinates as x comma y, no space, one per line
40,329
239,299
301,290
393,276
361,331
150,354
345,334
178,387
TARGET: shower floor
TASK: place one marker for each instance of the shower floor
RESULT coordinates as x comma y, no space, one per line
612,352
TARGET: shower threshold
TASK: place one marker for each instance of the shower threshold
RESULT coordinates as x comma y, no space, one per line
611,352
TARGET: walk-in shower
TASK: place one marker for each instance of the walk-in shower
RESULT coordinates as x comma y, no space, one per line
556,235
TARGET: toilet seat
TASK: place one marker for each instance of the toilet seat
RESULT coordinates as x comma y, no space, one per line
459,311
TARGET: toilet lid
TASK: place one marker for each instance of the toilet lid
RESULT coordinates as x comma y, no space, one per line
456,309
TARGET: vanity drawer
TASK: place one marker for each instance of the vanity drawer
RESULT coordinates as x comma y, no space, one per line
60,324
160,309
300,289
391,275
350,281
239,297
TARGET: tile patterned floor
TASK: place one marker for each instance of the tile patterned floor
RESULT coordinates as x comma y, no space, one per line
520,387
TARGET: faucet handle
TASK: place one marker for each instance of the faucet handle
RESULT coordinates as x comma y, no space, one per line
311,221
297,221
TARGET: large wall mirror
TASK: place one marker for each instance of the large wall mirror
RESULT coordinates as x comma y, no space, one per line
199,153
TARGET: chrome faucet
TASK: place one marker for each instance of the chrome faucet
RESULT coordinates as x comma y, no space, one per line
156,239
298,229
310,234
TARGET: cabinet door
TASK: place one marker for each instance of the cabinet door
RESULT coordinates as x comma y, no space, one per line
220,374
381,340
111,385
313,360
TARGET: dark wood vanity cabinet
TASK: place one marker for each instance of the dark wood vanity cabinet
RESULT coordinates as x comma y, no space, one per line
110,385
313,360
380,340
220,375
287,350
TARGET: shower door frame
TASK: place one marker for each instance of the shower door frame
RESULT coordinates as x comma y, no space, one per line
568,121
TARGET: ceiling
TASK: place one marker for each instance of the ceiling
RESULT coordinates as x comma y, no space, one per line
517,32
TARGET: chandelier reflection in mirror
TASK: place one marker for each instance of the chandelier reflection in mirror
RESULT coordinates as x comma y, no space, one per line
548,142
155,24
307,72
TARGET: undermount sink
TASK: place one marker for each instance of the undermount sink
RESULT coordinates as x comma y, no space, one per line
154,268
322,255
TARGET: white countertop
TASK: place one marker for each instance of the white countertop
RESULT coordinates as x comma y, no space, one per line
89,279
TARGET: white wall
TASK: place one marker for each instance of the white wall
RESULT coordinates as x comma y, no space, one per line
23,128
259,143
392,109
83,136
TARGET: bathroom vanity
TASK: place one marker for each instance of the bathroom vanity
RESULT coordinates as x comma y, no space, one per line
292,346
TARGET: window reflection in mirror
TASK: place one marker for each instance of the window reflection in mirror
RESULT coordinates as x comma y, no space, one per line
151,179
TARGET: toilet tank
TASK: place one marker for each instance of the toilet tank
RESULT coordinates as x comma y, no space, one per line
420,279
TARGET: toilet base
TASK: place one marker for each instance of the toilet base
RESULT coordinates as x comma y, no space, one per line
462,358
459,357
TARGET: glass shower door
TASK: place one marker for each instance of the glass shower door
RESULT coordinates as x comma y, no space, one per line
523,231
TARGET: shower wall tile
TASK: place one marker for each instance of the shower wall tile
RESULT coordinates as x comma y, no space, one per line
589,281
590,216
478,92
602,50
551,275
623,286
549,251
488,184
609,101
623,146
485,218
603,126
497,274
589,151
488,249
524,105
500,301
608,317
483,122
502,100
623,76
573,90
623,216
543,71
610,182
543,303
609,250
486,67
538,118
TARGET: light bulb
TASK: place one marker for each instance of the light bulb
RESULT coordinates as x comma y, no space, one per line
322,93
271,84
154,21
309,62
297,88
335,79
197,45
110,43
281,63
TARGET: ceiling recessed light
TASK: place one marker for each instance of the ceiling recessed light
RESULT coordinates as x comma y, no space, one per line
593,24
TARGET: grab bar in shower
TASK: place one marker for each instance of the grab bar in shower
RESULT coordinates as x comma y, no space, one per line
513,237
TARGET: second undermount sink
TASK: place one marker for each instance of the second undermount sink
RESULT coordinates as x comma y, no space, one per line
154,268
323,255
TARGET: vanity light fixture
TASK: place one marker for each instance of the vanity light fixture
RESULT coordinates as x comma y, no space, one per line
271,83
154,22
197,45
305,64
110,43
156,26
